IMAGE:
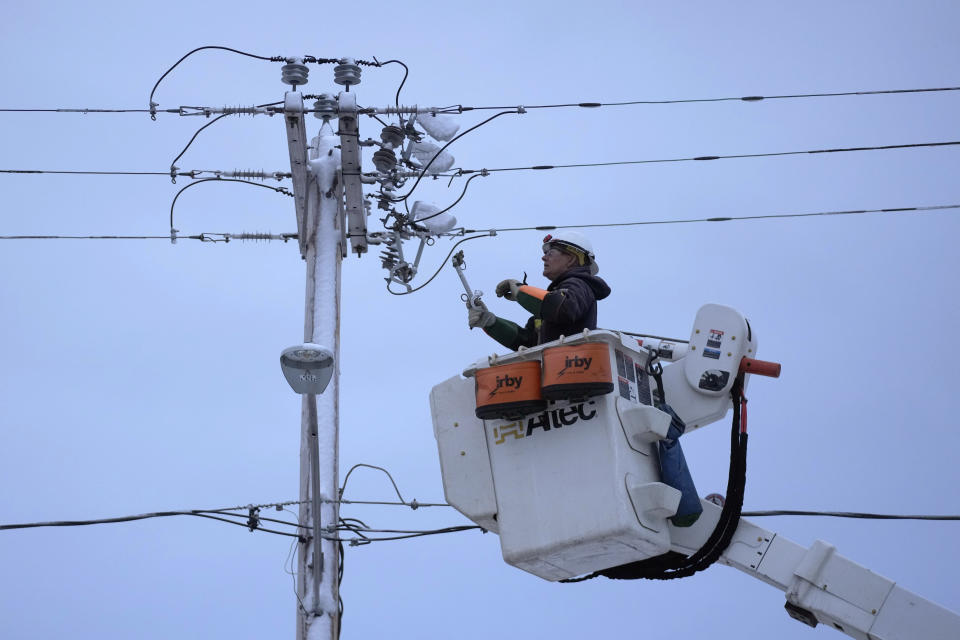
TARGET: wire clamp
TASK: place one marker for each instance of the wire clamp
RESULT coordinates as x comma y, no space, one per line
253,519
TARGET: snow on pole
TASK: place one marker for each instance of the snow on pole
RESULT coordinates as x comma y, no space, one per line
321,413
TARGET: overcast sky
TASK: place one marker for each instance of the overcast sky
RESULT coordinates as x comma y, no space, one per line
138,376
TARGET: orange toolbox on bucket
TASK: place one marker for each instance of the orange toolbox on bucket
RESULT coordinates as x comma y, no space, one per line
577,371
509,391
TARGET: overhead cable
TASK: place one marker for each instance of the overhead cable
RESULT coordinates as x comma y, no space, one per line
173,204
173,168
406,72
847,514
85,110
37,237
252,513
203,237
728,99
455,202
367,540
193,173
442,264
87,173
769,216
413,504
542,167
462,108
227,237
423,171
462,172
212,514
375,468
153,105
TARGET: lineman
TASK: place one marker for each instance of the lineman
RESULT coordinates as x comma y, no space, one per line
566,307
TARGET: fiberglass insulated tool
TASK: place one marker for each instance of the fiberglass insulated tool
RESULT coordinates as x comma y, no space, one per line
472,296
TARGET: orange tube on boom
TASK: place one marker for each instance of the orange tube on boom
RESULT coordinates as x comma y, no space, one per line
760,367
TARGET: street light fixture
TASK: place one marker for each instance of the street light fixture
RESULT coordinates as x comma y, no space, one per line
307,367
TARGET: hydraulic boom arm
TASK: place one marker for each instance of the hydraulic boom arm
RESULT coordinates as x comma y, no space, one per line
822,586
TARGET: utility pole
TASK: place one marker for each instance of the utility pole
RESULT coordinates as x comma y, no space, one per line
322,219
331,211
318,560
318,225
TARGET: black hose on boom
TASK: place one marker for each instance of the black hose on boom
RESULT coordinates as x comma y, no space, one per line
673,565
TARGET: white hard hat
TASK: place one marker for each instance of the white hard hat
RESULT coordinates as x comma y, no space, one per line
576,243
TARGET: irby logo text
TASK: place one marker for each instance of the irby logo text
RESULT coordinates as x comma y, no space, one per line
506,382
575,361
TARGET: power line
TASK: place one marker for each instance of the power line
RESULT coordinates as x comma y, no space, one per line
253,517
418,534
173,204
84,110
173,169
728,99
442,264
203,237
413,504
406,72
423,171
167,237
770,216
542,167
212,514
755,514
193,173
153,105
550,106
847,514
88,173
227,237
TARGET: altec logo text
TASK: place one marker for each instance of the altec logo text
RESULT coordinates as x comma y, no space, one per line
547,420
507,382
576,362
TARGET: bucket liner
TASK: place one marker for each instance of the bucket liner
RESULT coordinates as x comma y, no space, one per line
577,371
509,391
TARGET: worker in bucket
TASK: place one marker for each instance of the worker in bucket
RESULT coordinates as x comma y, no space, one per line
566,307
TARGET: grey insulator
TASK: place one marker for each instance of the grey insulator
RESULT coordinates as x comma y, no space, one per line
392,135
347,72
384,160
325,107
294,74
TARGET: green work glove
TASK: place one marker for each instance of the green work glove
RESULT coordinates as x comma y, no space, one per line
508,289
480,316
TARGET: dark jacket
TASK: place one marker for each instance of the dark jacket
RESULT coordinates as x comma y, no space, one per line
569,307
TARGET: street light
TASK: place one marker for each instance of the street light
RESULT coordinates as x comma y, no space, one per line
307,367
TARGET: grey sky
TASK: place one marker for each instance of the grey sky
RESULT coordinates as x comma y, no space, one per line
139,376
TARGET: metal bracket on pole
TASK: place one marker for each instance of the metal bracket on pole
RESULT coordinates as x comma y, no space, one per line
341,214
350,162
297,144
317,573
